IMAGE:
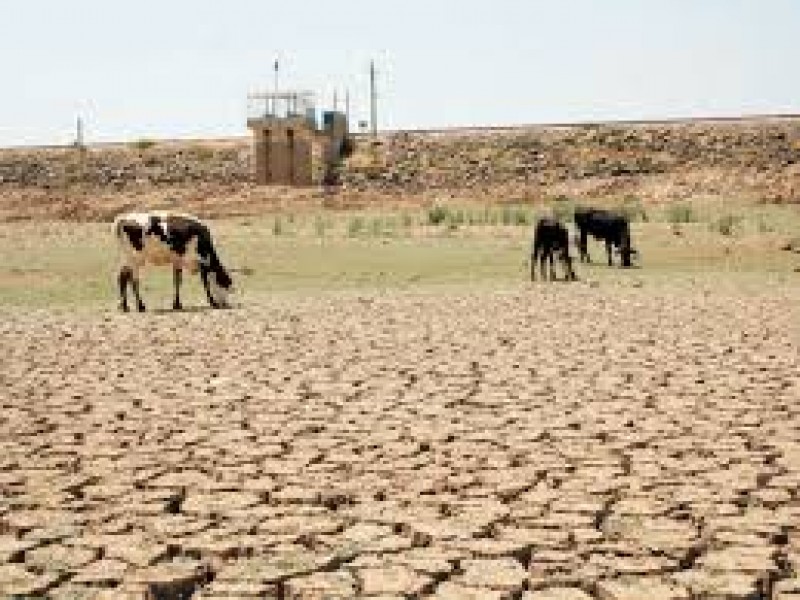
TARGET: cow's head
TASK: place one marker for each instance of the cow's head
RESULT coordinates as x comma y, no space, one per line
220,285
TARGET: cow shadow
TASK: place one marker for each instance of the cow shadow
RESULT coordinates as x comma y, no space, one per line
189,310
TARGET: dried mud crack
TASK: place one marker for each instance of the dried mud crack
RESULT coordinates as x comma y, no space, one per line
612,443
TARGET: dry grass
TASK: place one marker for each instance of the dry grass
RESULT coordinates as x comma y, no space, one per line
48,264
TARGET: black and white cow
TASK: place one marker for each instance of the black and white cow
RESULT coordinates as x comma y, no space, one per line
612,228
551,237
169,239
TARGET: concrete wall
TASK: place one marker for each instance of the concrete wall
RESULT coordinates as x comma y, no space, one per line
283,152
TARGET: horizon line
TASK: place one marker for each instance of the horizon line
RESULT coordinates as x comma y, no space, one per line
781,116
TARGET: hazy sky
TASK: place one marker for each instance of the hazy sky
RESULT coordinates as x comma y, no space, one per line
175,68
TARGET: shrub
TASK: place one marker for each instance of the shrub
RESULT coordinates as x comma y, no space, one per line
563,210
726,225
793,245
764,227
390,225
437,214
203,153
143,144
522,216
355,226
320,225
633,209
456,217
681,212
376,227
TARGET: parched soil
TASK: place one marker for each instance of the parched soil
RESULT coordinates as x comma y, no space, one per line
552,442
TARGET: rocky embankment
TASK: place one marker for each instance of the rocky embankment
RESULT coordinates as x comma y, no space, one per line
121,166
751,159
755,158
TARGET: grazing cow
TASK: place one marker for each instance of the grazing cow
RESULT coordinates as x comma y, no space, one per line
551,237
612,228
167,238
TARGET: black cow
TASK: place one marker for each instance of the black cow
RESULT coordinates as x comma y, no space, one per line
612,228
551,237
171,239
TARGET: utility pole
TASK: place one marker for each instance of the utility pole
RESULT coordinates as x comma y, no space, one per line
373,99
275,68
79,133
347,107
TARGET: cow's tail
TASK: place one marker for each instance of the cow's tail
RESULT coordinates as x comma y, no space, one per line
117,227
123,243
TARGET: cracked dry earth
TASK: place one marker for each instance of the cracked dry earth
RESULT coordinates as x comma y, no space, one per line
546,443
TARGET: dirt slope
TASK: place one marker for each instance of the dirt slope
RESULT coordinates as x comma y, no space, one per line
747,159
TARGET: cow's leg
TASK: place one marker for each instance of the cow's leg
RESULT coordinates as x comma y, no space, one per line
542,265
552,265
584,247
626,257
177,277
125,275
569,274
135,284
204,279
609,251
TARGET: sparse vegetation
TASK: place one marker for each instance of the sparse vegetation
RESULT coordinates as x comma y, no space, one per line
359,242
376,226
355,226
793,245
437,214
764,227
522,216
563,209
727,224
456,217
506,215
143,144
321,225
633,208
680,213
203,153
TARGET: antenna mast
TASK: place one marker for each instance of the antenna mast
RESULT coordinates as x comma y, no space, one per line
79,132
373,96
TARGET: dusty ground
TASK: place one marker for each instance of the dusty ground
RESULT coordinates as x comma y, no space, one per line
550,442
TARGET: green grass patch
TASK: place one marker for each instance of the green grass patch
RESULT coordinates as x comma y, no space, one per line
54,264
680,213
